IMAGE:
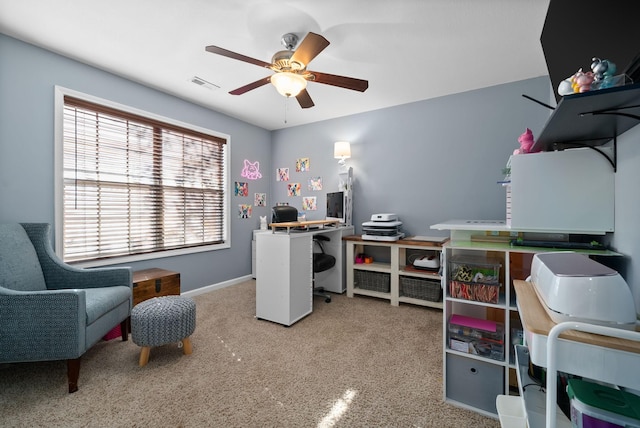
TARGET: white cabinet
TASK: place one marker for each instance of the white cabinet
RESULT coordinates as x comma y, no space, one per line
484,377
469,387
284,272
390,276
253,251
284,277
571,191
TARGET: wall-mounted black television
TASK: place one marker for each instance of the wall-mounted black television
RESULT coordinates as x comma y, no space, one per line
335,206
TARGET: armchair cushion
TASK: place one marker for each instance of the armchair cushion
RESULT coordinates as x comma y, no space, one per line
101,301
19,265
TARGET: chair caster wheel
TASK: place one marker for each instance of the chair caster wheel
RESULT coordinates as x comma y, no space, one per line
328,300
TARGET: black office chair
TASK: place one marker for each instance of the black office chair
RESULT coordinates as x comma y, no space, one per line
321,262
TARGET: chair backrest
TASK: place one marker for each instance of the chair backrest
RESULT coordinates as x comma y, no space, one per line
318,239
322,261
20,268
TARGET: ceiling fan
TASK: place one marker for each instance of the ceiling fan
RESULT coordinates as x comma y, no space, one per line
290,67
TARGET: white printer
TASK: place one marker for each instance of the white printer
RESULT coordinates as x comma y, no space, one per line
382,227
573,287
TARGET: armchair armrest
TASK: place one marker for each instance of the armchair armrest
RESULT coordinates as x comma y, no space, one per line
42,325
59,275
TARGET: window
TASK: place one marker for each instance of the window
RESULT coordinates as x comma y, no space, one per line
137,185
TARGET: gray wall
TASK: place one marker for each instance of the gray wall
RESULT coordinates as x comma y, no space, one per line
428,161
27,79
626,238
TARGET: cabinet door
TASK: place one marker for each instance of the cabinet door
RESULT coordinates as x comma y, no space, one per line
474,382
568,191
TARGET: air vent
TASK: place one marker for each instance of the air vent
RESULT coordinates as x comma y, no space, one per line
201,82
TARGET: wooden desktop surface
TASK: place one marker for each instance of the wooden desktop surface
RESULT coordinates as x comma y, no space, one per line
403,241
304,223
536,320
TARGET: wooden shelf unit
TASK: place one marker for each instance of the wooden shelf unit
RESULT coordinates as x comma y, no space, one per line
395,266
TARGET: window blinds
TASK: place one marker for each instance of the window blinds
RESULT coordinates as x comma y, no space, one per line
136,185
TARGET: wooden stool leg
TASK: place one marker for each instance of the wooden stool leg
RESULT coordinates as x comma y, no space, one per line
186,346
144,355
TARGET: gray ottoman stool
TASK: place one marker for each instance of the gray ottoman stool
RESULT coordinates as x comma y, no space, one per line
163,320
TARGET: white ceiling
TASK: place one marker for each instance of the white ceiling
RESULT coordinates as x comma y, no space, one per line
408,50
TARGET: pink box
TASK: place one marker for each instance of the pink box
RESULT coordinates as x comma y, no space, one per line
115,332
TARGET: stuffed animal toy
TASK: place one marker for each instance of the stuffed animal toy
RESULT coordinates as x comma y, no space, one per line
582,81
526,141
579,82
602,69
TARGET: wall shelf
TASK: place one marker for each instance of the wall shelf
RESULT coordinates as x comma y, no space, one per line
591,119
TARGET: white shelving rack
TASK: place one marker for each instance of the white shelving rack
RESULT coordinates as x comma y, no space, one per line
470,380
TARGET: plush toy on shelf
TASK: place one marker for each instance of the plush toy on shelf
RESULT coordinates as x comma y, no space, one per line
602,73
602,69
579,82
526,142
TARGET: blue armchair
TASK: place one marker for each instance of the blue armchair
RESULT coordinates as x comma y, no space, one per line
50,310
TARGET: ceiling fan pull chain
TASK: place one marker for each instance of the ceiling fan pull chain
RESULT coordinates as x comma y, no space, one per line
286,100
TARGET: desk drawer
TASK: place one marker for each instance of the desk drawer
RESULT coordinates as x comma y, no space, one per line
154,282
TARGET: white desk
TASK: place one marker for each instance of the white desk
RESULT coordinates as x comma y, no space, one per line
284,272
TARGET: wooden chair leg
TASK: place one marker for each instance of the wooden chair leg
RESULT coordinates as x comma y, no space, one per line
144,355
124,329
73,373
186,346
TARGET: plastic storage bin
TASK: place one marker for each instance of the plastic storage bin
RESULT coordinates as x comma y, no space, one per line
474,278
476,336
598,406
511,411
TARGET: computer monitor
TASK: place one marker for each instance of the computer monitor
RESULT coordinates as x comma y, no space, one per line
335,206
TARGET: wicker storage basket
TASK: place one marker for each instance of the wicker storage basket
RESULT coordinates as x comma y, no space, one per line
420,288
374,281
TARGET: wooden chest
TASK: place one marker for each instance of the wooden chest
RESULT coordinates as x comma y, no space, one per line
154,282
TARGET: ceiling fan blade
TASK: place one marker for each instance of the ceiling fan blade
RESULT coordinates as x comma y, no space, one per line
341,81
309,48
234,55
304,99
250,86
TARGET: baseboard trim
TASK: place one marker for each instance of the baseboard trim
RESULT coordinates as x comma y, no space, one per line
218,286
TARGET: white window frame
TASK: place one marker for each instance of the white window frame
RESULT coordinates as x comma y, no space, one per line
60,93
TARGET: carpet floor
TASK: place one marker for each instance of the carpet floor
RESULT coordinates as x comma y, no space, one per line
354,362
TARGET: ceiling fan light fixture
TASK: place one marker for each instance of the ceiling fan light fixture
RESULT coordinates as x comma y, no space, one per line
288,84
